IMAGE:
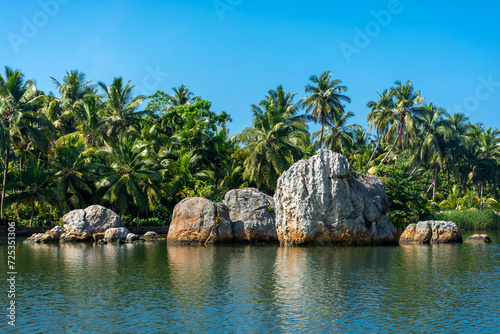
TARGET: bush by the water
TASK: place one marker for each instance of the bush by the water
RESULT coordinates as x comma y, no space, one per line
473,219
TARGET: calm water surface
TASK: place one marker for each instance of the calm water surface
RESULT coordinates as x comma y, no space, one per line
155,288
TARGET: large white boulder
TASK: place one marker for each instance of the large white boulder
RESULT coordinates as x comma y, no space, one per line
322,201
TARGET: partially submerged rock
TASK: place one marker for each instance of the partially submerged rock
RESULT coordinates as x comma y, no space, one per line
150,235
131,237
478,239
320,201
116,234
199,220
93,219
431,232
252,215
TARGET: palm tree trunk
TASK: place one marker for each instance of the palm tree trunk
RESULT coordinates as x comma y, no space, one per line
388,153
32,213
434,186
5,170
321,138
375,150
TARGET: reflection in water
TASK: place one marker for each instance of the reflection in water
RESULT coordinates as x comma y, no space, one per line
153,287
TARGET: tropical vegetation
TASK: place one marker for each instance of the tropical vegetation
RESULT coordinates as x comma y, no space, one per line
103,144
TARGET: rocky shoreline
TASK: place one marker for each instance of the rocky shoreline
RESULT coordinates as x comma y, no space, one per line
319,201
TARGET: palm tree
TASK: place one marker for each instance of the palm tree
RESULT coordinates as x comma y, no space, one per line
402,119
433,148
379,117
182,96
339,136
90,119
276,140
325,100
73,89
130,177
121,107
71,171
33,188
20,126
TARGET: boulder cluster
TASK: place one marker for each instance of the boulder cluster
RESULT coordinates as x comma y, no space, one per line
318,201
245,216
95,223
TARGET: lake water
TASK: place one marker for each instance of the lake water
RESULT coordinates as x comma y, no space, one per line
155,288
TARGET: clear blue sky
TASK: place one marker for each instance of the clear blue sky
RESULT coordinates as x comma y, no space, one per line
232,52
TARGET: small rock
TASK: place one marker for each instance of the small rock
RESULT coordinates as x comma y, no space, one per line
71,236
478,239
431,232
115,234
150,235
35,238
50,236
132,237
98,236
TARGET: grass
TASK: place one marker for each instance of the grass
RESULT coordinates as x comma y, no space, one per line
471,219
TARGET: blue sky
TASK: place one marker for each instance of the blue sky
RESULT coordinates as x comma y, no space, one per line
232,52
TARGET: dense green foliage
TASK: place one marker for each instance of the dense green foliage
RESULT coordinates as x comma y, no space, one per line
99,144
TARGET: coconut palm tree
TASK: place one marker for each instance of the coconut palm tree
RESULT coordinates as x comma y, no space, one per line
339,136
325,99
379,117
276,140
129,178
121,107
20,127
72,171
34,188
402,121
90,120
182,96
73,89
433,148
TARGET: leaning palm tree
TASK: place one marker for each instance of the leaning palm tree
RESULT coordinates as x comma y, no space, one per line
20,126
121,107
402,121
129,178
325,100
276,140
